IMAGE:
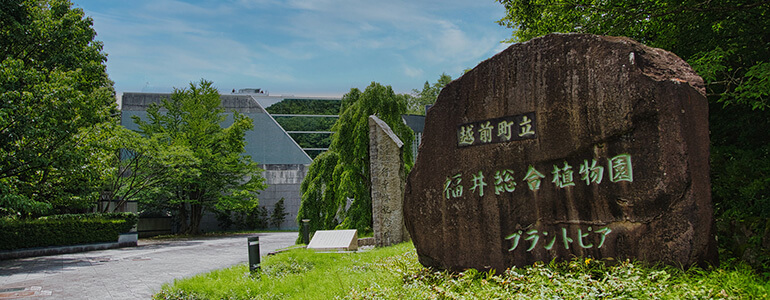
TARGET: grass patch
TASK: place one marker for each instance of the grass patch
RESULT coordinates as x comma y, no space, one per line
394,273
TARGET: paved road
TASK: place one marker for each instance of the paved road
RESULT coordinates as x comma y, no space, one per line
127,273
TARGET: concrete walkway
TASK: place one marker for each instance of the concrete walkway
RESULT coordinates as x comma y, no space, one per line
127,273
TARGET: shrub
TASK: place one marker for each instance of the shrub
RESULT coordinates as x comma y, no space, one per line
279,214
63,230
252,219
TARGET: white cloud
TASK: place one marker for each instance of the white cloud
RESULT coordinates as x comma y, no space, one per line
398,25
179,8
413,72
303,42
168,51
293,51
501,46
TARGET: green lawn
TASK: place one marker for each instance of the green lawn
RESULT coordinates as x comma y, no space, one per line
394,273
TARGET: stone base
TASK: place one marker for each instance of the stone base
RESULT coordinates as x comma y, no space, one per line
128,239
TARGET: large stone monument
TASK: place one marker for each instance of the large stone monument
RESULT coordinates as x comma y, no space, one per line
565,146
387,174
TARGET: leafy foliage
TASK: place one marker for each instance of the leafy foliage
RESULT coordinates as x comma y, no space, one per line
576,279
305,107
342,173
728,44
209,168
320,202
395,273
306,123
419,99
309,140
312,140
279,214
287,276
299,123
130,165
61,230
725,41
53,90
255,218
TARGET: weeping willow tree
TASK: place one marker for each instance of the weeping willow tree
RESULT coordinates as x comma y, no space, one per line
336,192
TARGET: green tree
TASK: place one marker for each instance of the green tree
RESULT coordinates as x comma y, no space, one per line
130,165
342,174
725,41
305,107
309,140
419,99
210,170
279,214
53,91
728,43
258,218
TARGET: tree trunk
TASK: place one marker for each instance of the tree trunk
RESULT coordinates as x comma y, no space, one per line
182,217
196,214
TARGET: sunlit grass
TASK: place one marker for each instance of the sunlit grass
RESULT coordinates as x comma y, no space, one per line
394,273
295,274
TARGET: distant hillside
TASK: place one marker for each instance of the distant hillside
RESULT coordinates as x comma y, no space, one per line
306,107
298,123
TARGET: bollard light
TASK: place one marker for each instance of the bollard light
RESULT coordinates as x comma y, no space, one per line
306,231
254,254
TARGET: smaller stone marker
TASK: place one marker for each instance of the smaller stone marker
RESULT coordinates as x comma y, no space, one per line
334,240
388,183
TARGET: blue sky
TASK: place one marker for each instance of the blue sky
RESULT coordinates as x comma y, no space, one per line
293,47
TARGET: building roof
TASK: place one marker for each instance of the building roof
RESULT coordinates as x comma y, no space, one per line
266,100
416,122
267,143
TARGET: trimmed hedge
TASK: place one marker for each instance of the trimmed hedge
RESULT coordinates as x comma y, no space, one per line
64,230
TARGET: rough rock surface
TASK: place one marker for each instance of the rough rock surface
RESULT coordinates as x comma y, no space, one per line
387,184
567,145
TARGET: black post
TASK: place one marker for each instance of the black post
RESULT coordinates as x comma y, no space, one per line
254,254
306,231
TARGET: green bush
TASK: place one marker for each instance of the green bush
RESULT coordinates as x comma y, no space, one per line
63,230
253,219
